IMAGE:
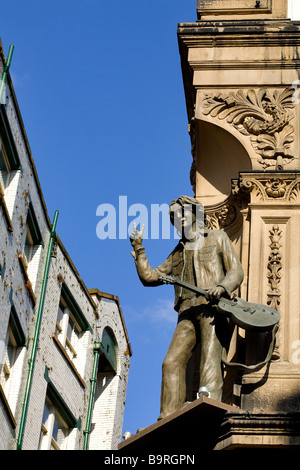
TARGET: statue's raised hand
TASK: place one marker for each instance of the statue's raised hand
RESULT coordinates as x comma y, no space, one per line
136,238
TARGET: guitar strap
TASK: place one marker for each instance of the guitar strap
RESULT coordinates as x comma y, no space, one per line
237,365
254,367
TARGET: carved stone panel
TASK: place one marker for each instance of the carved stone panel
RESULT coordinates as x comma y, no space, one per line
245,8
262,115
233,6
227,215
281,188
274,268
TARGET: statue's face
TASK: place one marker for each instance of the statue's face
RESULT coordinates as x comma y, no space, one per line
183,217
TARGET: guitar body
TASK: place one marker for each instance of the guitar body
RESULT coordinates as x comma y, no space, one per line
247,315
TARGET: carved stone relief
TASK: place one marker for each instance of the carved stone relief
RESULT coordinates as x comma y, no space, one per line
280,188
262,115
274,268
227,215
274,276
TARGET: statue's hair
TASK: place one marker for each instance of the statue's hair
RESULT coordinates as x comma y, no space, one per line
184,201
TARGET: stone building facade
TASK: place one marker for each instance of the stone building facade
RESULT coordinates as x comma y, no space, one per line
64,349
240,63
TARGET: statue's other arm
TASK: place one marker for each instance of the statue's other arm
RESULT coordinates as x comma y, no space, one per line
147,275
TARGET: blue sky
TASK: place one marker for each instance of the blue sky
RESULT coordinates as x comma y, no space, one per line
100,90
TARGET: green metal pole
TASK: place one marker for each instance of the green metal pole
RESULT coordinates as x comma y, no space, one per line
36,334
5,70
91,398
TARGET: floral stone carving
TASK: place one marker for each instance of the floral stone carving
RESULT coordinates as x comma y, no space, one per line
274,267
262,115
283,188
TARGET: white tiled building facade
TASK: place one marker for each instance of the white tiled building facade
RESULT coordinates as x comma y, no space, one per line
63,382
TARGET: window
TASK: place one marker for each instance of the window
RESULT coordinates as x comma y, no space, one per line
30,257
14,343
9,159
67,329
5,168
33,237
28,249
108,348
2,270
55,431
71,325
9,360
58,421
9,166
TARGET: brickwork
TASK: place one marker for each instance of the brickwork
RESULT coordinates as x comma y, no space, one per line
111,387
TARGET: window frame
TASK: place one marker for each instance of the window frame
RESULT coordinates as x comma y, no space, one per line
71,310
7,140
4,179
62,327
16,335
47,441
108,351
67,418
33,234
75,357
33,227
12,157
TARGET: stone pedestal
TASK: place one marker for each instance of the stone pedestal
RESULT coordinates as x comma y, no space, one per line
206,425
194,428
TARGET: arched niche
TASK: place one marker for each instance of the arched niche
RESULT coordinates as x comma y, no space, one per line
220,156
108,352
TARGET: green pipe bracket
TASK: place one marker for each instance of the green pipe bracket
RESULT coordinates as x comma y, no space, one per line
5,70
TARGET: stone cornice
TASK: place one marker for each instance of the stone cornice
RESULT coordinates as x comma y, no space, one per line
236,34
244,65
266,29
259,430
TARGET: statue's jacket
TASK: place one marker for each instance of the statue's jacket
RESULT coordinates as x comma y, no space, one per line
209,262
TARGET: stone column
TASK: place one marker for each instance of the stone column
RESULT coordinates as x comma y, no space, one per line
240,64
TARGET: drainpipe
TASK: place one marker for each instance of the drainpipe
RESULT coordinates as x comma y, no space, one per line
36,333
92,394
5,70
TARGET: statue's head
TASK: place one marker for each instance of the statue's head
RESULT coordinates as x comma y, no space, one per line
187,216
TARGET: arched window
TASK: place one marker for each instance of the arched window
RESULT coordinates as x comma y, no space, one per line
108,361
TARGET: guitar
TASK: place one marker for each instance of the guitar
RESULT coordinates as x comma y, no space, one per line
249,316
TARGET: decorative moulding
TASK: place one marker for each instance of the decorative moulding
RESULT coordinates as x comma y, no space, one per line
262,115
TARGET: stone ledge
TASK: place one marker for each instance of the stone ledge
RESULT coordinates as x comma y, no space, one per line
194,427
259,431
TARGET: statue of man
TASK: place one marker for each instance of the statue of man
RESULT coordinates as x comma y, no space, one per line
204,258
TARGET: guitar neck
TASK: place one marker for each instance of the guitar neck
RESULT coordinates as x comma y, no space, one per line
196,289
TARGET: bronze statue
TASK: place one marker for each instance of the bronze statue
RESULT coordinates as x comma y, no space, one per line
204,258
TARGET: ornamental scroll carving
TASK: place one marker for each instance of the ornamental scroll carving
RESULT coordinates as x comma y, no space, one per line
227,215
262,115
281,188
